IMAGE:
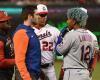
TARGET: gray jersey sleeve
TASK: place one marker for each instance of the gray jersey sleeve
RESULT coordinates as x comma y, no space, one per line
65,45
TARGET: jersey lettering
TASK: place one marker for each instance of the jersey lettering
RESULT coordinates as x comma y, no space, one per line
44,35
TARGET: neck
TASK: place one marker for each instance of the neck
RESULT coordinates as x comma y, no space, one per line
27,23
37,26
76,26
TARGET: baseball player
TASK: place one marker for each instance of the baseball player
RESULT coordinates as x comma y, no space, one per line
93,61
76,46
47,35
95,42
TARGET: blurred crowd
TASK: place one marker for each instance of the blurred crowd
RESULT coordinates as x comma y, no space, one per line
56,1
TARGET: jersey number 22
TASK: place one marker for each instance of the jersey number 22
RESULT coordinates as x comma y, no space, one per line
47,46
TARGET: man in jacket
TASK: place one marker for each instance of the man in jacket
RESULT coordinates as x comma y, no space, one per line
27,48
6,49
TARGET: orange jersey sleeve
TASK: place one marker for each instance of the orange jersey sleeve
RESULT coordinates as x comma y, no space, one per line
20,47
4,62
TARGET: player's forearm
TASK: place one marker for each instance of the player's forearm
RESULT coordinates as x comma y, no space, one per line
5,63
23,69
93,61
64,31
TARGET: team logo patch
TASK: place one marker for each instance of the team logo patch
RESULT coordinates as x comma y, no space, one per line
44,8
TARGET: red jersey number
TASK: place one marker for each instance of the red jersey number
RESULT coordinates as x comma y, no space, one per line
47,46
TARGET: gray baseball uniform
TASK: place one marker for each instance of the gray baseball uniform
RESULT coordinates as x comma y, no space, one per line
95,41
77,48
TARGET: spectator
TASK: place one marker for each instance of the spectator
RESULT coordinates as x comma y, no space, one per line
7,61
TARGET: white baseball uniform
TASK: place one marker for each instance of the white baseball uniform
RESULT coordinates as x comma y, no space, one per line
77,47
48,38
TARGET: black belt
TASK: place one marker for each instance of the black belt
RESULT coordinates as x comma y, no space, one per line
73,68
46,65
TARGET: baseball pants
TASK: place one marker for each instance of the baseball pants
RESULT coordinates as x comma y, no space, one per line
76,74
50,72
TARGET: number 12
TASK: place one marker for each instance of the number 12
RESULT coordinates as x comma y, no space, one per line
85,52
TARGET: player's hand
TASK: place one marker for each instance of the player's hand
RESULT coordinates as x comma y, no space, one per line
59,39
62,34
90,71
64,31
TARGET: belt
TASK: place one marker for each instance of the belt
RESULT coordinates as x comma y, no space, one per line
73,68
46,65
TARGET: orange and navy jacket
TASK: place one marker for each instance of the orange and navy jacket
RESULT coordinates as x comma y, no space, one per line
27,51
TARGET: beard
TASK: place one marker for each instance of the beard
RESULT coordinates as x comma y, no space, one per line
34,21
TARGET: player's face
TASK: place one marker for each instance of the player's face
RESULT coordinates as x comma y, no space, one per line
40,19
71,23
4,25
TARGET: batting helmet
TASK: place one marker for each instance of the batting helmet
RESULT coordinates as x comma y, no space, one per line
79,14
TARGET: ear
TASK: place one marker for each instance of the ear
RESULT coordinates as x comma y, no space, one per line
74,21
30,16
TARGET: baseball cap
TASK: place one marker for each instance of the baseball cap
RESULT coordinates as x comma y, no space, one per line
41,9
4,16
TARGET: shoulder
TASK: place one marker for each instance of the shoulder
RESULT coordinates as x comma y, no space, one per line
50,26
53,28
20,33
73,34
91,33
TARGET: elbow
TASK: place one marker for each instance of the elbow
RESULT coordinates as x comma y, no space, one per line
57,52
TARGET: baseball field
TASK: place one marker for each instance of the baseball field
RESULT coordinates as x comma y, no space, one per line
96,73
